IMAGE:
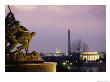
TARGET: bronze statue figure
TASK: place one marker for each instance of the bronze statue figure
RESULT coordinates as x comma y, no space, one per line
16,34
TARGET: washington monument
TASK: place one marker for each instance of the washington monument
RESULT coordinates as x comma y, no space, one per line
69,43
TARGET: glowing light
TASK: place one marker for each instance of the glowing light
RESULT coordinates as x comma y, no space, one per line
71,63
90,56
66,54
55,55
69,67
57,51
64,63
90,53
86,61
67,61
100,61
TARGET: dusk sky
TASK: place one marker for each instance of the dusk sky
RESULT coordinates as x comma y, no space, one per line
51,24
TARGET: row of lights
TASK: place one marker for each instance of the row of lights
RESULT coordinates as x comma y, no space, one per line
64,63
99,61
67,64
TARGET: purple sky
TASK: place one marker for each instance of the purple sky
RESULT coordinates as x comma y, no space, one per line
51,23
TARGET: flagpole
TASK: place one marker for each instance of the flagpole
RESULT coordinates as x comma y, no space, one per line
9,8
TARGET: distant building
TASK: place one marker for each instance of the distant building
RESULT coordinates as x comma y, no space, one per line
57,53
90,56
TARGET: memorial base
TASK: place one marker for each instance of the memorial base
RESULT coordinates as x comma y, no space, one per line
32,67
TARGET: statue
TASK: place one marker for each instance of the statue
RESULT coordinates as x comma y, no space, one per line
23,38
15,34
11,36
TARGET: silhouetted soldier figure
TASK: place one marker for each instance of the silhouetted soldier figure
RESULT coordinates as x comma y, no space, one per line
14,34
11,34
12,27
23,38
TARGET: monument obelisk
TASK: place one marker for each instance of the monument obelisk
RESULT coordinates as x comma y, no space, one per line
69,43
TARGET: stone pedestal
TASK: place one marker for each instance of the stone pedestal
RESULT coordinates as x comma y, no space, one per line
40,67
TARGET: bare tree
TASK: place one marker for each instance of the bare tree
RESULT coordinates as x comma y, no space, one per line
79,46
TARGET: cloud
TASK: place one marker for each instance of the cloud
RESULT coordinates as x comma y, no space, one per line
25,7
71,9
61,10
68,9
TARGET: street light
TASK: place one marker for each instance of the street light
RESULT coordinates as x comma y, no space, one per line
69,67
64,63
71,63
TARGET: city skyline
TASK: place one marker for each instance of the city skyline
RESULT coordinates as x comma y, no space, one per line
51,23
